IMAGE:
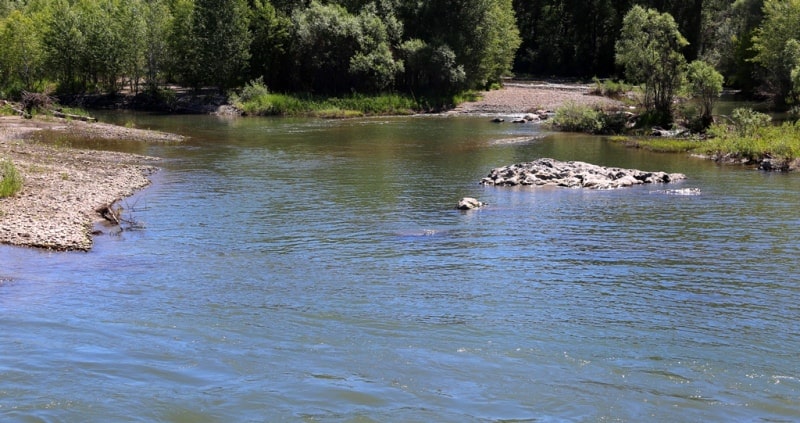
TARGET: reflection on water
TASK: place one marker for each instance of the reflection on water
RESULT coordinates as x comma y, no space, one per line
311,270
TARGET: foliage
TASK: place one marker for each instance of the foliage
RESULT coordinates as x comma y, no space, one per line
10,179
221,30
476,39
649,51
774,141
271,33
426,49
746,121
705,83
21,52
610,88
255,99
326,37
574,117
775,43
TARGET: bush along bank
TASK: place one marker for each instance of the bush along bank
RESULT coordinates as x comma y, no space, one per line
746,137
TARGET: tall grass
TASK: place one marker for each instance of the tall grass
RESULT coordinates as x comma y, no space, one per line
10,179
256,100
270,104
774,141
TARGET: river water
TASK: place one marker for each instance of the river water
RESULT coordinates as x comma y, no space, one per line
313,270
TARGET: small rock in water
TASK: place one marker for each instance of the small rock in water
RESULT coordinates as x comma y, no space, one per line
469,203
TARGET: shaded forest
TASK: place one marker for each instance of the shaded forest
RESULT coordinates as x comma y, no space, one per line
340,47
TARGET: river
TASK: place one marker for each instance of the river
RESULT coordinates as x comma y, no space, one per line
317,271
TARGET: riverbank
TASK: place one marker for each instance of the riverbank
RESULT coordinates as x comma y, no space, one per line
64,189
520,97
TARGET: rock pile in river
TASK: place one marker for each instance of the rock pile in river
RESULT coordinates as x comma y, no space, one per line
550,172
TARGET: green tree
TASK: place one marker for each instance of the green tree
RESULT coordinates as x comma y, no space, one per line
374,62
705,83
64,44
481,33
326,38
649,51
728,30
158,20
568,37
271,31
183,58
774,51
221,30
21,52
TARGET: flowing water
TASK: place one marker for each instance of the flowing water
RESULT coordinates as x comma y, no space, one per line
312,270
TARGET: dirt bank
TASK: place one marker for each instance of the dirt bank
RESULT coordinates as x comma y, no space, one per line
64,188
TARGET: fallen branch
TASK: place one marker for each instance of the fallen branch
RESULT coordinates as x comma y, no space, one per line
62,115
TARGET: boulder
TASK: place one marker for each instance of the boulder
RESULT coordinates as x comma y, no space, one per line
550,172
469,203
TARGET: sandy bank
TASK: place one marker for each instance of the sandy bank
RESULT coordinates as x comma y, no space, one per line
63,187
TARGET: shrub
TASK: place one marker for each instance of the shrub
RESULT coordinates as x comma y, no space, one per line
578,118
747,121
10,179
610,88
253,90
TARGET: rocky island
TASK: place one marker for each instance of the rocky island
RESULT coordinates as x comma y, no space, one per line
573,174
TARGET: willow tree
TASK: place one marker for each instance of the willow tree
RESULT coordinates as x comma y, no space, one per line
649,50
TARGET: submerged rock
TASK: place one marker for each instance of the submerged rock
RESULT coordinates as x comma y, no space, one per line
469,203
550,172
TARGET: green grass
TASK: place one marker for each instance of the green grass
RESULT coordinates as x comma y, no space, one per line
780,142
661,145
271,104
11,182
775,141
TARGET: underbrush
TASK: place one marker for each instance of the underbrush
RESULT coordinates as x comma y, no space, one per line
10,179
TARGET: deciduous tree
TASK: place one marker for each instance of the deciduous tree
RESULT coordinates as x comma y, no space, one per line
649,51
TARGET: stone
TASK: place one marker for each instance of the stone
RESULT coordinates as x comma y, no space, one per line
469,203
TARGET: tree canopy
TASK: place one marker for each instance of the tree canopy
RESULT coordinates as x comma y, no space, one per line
434,47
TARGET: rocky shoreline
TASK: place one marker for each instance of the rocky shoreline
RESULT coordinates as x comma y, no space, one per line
65,190
573,174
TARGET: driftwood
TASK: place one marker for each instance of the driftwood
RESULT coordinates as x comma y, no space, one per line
111,214
60,114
